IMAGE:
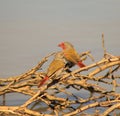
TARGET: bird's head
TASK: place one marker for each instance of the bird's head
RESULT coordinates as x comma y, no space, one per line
65,45
59,55
62,45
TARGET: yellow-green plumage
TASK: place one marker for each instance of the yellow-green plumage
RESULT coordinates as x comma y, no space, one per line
57,65
70,54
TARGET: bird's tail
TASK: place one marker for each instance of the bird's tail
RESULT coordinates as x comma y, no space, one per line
80,64
43,81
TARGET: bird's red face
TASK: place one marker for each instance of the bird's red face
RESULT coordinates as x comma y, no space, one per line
62,45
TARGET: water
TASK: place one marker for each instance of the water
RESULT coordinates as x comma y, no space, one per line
30,30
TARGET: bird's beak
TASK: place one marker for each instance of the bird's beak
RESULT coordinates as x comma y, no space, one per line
59,45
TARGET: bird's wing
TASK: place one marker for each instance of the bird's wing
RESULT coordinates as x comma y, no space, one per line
55,66
72,56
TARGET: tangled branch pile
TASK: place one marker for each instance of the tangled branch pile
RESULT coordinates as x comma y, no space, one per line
85,91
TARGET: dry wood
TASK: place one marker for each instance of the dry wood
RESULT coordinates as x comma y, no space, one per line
93,86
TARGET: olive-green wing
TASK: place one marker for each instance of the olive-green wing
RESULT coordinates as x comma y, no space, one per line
72,56
55,66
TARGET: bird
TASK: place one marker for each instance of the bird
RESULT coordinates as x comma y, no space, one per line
55,67
70,54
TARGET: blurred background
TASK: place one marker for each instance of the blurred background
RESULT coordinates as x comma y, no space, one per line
31,29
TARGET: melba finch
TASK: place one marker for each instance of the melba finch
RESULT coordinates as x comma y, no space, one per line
55,67
70,54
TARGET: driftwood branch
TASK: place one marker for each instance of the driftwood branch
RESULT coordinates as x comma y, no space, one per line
92,87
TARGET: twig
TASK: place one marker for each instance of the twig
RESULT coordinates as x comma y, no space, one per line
103,45
109,110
